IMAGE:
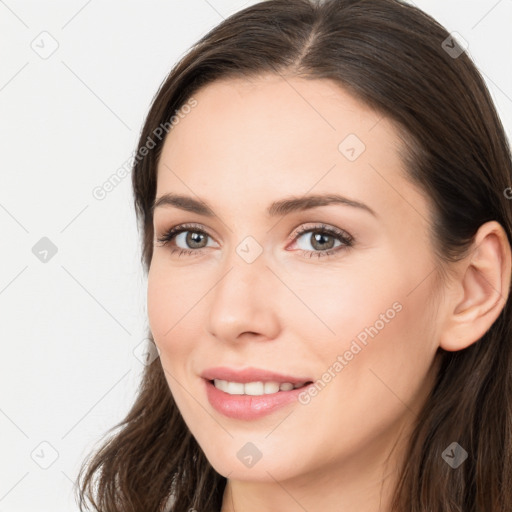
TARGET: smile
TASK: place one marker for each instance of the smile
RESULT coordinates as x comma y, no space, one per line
254,388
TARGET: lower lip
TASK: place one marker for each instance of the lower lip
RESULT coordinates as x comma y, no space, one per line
249,407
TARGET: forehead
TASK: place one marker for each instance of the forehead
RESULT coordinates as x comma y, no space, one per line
276,136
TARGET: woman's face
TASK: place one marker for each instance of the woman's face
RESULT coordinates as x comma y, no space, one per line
348,307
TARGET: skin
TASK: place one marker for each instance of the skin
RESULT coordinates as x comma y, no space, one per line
245,145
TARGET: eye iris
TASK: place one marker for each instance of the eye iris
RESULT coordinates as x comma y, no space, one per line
320,237
194,238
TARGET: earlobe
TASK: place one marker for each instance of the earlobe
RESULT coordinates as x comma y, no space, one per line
484,287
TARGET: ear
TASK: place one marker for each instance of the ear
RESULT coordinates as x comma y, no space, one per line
480,290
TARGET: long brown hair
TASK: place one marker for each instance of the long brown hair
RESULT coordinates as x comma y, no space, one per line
401,62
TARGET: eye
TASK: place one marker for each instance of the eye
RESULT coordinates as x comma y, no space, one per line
190,235
322,239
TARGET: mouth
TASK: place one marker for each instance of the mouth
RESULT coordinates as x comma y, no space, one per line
256,388
249,401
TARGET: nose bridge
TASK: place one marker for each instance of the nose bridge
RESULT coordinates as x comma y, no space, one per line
244,277
246,259
241,299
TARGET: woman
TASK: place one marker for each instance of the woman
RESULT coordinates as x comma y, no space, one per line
322,192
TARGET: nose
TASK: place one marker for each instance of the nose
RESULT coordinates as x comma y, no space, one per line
243,303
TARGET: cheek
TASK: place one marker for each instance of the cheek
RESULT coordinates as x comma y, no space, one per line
370,336
367,388
167,321
159,302
340,307
171,295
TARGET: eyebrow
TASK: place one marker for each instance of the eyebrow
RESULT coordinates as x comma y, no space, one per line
277,208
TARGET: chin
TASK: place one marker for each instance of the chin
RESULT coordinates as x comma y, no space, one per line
241,459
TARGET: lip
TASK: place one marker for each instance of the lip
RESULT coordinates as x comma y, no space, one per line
250,375
249,407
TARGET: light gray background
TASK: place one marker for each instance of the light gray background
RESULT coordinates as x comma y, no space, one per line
69,326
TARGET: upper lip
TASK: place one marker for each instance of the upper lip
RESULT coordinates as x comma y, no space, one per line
250,375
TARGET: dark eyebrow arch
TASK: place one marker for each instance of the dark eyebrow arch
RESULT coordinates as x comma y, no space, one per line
278,208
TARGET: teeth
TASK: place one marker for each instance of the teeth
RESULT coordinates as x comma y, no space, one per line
254,388
271,387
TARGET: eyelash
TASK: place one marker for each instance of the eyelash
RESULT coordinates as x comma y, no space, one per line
342,236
